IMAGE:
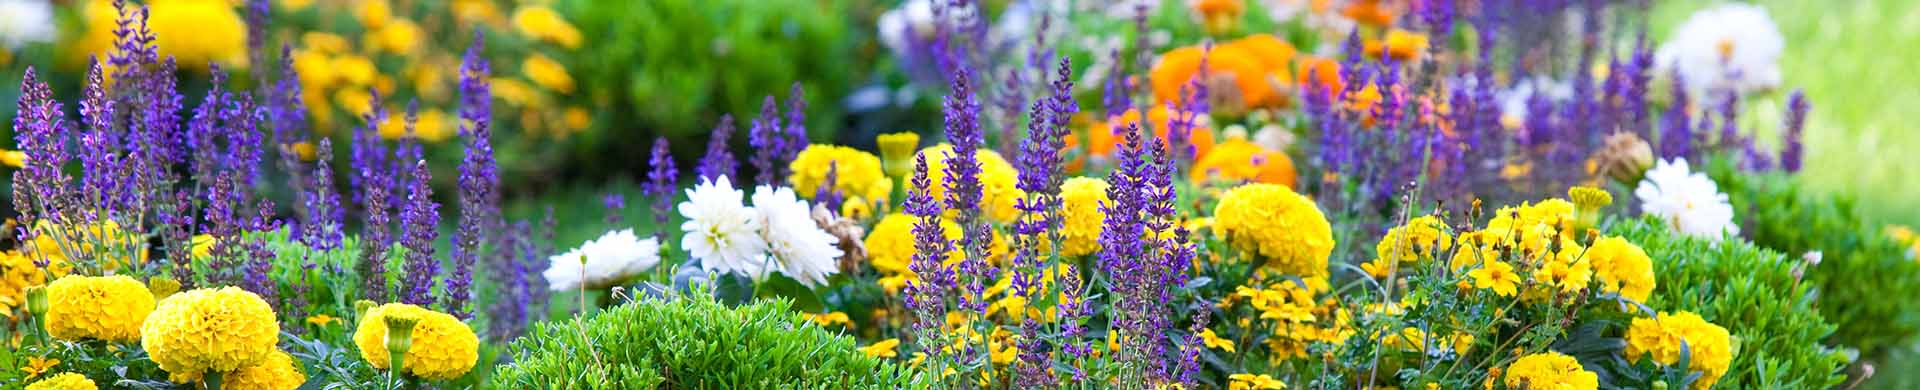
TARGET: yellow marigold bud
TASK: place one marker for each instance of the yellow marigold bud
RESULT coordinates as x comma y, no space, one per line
277,371
441,347
209,330
64,381
97,307
896,150
1283,228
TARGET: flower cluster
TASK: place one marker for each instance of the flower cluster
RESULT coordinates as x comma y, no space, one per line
194,333
776,234
441,348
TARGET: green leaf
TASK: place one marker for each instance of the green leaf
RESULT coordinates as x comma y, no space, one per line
803,298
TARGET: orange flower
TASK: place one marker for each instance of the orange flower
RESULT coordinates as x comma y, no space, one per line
1103,138
1371,12
1234,75
1238,160
1320,71
1218,16
1400,45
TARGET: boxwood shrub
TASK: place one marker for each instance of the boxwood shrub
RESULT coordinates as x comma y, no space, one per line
1752,292
692,341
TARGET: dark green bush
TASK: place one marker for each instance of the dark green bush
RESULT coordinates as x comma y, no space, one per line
1752,292
1865,282
692,341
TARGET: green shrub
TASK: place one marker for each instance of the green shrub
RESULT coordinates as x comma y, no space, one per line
692,341
1753,293
1865,282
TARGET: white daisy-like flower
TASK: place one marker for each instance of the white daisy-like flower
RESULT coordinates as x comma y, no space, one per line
609,260
796,245
1689,201
1732,46
721,232
23,21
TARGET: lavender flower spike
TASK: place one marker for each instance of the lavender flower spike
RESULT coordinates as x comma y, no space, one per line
322,230
662,179
479,180
796,129
719,159
420,224
1791,154
767,141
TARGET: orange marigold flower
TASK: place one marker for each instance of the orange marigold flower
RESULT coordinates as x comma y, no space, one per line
1319,72
1371,12
1235,78
1400,45
1103,137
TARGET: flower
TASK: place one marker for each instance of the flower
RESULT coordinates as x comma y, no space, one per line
603,262
1080,215
1219,16
1567,272
1727,47
38,365
828,318
1103,137
1421,238
722,233
796,246
896,152
1284,228
1550,370
1689,201
209,330
1622,267
547,73
321,320
196,33
1236,74
856,172
64,381
544,24
102,243
374,13
1497,276
443,347
1238,160
1399,45
1254,382
1214,341
399,37
1708,347
997,178
884,349
18,272
890,244
277,372
107,308
25,21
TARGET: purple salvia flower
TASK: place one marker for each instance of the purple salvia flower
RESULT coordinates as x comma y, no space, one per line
100,161
719,159
479,181
1353,56
368,155
40,189
133,42
323,229
224,222
1791,154
286,115
662,179
1117,98
926,298
829,194
175,223
1122,253
613,204
259,260
964,189
768,142
1007,110
1639,74
257,21
1729,109
1438,15
376,235
420,227
796,126
1676,137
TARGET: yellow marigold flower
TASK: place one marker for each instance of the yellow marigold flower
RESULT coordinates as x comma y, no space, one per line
514,92
1400,45
1283,228
890,245
1254,382
431,127
828,318
209,330
194,32
358,72
1423,237
277,372
13,158
547,73
1497,276
1239,160
1236,76
443,347
576,118
1379,268
1080,215
399,37
1550,370
544,24
321,320
1709,347
896,152
1566,271
884,349
373,14
107,308
17,273
856,172
38,365
1622,267
1214,341
997,179
64,381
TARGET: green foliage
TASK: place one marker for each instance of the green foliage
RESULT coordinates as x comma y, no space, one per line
1860,268
1751,291
692,341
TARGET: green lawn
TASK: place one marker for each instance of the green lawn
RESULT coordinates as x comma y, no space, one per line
1853,59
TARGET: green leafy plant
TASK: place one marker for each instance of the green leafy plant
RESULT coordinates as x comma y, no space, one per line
692,341
1860,266
1756,293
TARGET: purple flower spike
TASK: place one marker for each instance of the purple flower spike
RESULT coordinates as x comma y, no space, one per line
479,180
420,227
768,142
613,204
662,179
322,230
719,159
796,129
1791,154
